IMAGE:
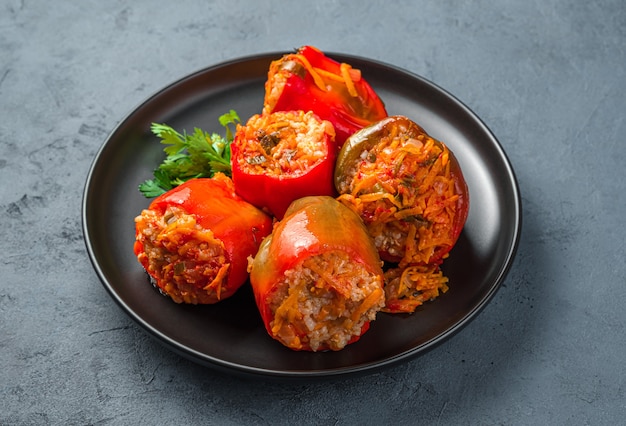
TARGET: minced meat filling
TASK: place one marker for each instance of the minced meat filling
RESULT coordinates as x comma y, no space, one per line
185,261
325,302
284,143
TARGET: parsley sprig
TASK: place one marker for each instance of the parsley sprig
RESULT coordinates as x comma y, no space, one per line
190,155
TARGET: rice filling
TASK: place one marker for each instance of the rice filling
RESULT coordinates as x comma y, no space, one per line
184,260
284,143
325,301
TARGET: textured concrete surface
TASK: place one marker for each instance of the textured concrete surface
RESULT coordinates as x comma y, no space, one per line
548,77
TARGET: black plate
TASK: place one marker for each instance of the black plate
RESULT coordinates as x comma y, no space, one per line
230,335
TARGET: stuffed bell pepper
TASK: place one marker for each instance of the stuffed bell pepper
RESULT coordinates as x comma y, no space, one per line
317,279
282,156
194,240
308,80
408,189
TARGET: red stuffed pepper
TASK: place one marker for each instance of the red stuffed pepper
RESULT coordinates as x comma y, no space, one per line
309,80
280,157
317,278
194,240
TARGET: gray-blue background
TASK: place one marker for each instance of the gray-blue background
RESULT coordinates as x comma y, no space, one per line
548,78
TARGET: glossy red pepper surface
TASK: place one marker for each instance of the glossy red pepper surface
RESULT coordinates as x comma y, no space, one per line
311,81
311,226
238,224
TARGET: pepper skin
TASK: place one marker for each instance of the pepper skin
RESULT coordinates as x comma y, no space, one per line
308,80
313,226
214,206
276,159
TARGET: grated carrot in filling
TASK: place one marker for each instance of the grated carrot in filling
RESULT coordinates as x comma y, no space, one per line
283,143
215,286
353,75
319,81
324,302
405,193
322,78
185,261
345,73
410,287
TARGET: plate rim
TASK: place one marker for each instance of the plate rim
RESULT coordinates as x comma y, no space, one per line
359,369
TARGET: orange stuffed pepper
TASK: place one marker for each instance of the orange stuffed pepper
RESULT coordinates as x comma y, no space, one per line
195,239
317,279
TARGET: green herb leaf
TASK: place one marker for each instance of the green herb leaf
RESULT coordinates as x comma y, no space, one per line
190,155
230,117
151,189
